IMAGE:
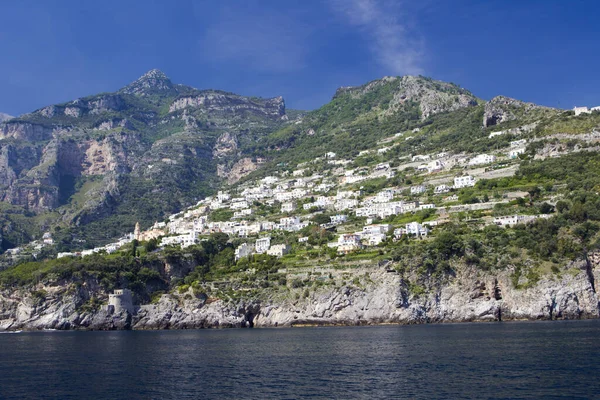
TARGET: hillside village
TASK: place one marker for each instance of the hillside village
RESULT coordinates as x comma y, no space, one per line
343,207
359,204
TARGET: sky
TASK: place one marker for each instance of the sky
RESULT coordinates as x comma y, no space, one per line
543,51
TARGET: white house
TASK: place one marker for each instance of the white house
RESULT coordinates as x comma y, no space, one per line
585,110
514,153
339,219
464,181
288,206
482,159
243,250
416,229
518,143
345,204
347,243
417,189
441,189
278,250
223,196
238,204
262,245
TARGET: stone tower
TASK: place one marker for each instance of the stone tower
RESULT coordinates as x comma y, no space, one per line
136,231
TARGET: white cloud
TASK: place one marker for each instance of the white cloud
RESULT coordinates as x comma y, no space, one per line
263,40
393,44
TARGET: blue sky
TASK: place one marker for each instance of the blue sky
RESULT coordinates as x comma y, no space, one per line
544,51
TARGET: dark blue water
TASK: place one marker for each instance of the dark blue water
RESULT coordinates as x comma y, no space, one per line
479,361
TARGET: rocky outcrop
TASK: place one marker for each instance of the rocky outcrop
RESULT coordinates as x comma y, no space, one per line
152,81
240,169
210,101
5,117
379,296
226,145
502,109
25,131
432,96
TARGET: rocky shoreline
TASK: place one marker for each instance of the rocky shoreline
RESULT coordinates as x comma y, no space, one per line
469,296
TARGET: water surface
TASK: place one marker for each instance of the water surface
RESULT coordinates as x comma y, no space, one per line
496,360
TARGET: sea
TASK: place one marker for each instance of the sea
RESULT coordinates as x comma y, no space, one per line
507,360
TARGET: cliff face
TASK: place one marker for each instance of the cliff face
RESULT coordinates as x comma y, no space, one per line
382,297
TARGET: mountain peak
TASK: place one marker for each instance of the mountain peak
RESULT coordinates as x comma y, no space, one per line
152,81
5,117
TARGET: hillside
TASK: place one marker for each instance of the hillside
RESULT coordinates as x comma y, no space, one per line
403,200
96,165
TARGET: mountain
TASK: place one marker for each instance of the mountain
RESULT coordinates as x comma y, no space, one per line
404,200
5,117
105,161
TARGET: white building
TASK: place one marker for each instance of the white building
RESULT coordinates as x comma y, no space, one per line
585,110
269,180
242,213
482,159
262,245
243,250
338,219
223,196
518,143
464,181
278,250
185,240
345,204
441,189
416,229
238,204
514,153
288,206
432,166
417,189
347,243
47,238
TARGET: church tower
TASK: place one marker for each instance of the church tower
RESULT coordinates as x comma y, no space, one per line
136,232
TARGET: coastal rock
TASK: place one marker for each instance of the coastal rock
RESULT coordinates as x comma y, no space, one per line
383,296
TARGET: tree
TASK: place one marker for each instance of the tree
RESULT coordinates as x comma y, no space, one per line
151,245
134,246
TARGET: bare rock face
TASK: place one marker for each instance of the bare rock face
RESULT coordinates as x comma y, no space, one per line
433,96
240,169
25,131
230,103
34,179
5,117
502,109
226,145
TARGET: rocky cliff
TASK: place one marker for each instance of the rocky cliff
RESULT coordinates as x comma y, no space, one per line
503,109
377,295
